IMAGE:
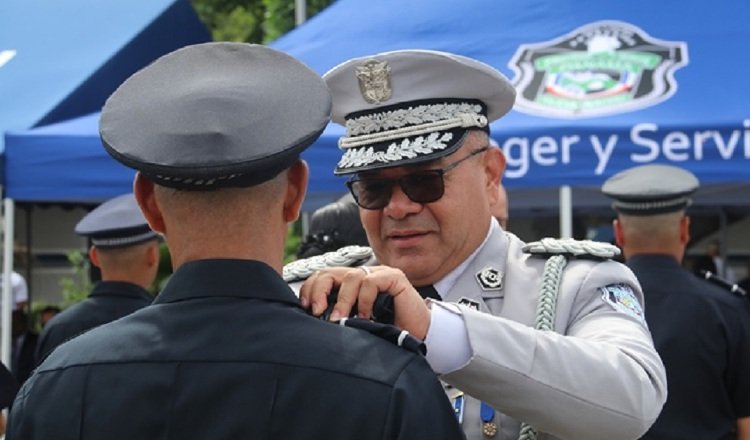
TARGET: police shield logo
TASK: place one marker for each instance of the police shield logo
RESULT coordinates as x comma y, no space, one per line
602,68
622,299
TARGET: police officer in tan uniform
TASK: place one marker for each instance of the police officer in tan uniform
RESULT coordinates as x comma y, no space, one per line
541,340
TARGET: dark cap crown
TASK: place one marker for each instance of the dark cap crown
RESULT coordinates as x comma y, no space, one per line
215,115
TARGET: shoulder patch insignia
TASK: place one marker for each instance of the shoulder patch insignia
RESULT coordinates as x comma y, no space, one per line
622,299
574,248
346,256
490,278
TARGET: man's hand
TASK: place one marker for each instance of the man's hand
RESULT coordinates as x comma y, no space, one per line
360,286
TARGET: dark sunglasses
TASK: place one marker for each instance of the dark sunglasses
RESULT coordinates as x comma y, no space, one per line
421,187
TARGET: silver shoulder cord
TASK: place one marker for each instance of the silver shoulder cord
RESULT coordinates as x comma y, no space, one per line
545,313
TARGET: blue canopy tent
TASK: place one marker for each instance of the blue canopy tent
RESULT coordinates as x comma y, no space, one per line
603,85
656,82
62,59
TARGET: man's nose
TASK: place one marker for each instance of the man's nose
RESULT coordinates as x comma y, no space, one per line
400,205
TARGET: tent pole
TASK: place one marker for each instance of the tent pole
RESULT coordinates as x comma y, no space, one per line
8,216
566,212
300,11
28,259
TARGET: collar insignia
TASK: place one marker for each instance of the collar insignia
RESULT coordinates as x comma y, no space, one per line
375,81
490,278
464,301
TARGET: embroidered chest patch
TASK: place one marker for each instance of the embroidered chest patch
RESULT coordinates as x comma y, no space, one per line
622,299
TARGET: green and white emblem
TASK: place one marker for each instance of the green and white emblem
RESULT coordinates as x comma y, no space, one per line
601,68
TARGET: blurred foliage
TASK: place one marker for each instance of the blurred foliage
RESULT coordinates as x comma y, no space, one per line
76,287
293,240
165,269
252,21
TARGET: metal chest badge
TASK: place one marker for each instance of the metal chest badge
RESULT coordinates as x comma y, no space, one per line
375,81
490,278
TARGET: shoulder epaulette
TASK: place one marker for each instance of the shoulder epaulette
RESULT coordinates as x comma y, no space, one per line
570,247
721,282
345,256
390,333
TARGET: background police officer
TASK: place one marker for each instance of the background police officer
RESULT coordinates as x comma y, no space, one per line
126,251
700,330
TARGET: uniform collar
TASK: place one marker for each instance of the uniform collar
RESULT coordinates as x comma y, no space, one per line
446,284
120,288
226,278
643,260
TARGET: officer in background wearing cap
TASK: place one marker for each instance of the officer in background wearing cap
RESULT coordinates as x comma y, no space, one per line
126,251
699,329
417,150
225,351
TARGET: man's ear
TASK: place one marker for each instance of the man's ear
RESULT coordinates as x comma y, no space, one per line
494,167
143,189
619,235
94,256
685,229
297,176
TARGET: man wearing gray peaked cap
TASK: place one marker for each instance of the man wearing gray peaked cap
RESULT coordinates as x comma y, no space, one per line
225,351
126,251
524,336
700,330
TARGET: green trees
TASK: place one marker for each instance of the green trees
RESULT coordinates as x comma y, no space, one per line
253,21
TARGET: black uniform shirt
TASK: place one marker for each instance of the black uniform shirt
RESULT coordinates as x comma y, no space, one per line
226,352
109,300
701,334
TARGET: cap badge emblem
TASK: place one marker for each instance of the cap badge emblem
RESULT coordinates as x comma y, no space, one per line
490,278
374,81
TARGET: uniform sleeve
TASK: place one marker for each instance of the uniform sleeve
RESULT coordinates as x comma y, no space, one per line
419,408
18,428
601,378
738,376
